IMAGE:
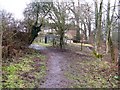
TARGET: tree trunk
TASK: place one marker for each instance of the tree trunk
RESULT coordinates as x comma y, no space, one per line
61,40
111,49
118,38
99,25
1,33
81,39
78,35
77,20
77,30
96,25
85,31
98,17
109,43
81,45
35,28
34,33
108,27
89,28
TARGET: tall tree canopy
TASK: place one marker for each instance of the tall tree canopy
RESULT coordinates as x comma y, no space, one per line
59,17
36,12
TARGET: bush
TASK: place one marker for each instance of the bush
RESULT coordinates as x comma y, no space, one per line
14,43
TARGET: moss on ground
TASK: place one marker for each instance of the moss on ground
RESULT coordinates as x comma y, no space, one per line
91,74
42,43
26,73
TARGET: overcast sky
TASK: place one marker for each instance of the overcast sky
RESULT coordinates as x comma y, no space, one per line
17,6
14,6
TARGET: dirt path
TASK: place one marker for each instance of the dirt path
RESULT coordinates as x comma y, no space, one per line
73,68
55,74
55,68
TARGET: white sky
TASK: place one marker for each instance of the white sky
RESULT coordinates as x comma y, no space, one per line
14,6
17,6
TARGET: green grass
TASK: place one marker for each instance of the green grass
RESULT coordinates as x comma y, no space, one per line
91,74
79,44
43,44
25,73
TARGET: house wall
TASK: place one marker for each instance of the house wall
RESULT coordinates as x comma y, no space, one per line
70,34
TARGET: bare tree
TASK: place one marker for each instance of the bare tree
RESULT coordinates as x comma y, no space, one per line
36,11
109,42
1,33
58,16
76,11
119,37
98,24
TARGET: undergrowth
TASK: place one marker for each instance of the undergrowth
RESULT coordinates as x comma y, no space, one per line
92,74
26,73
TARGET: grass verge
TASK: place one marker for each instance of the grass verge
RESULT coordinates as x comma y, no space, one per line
91,74
26,73
43,44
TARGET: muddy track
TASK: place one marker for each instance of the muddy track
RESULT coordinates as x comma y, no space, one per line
55,68
58,64
74,68
55,74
